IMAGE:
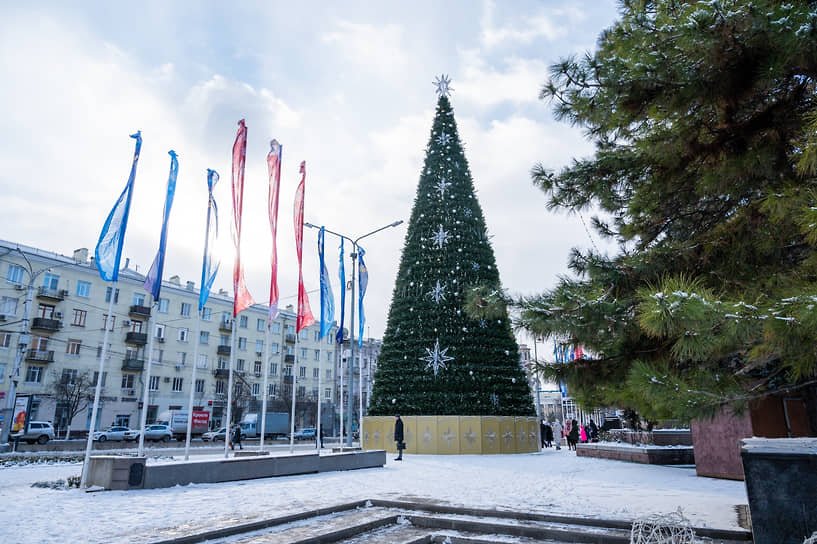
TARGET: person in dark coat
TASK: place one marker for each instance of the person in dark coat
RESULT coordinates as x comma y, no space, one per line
594,431
236,438
542,426
573,435
398,437
548,435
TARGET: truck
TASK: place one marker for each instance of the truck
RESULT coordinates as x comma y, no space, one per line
177,421
276,425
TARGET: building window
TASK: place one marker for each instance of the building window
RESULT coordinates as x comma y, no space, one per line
290,329
329,374
34,374
290,350
5,340
257,367
304,353
46,311
183,334
138,299
204,337
158,356
177,384
301,391
181,357
222,363
164,305
15,274
8,306
273,369
239,365
287,370
327,394
205,314
274,347
106,323
199,386
271,389
242,321
136,326
220,387
302,372
96,377
69,376
83,289
329,356
224,340
317,335
259,346
256,389
79,317
185,309
51,281
259,326
276,327
127,381
315,393
154,383
242,343
316,373
225,317
304,334
160,331
115,295
202,360
72,347
317,355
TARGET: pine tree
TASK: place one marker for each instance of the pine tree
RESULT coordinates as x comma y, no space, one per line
700,114
436,360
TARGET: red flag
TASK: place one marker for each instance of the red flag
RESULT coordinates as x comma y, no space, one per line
243,299
305,317
274,167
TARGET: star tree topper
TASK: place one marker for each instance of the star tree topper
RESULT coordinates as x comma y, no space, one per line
443,83
436,359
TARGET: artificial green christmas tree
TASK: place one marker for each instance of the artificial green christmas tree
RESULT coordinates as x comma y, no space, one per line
435,360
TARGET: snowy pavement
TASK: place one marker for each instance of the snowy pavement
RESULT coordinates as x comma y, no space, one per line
547,482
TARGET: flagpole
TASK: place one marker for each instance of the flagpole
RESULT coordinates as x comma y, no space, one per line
265,390
192,389
340,369
95,410
292,422
228,430
320,370
145,398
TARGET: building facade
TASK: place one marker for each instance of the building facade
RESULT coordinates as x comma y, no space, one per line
68,315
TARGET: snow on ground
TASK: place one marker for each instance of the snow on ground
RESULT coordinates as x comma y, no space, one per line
546,482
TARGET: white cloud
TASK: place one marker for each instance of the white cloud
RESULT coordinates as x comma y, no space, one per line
524,28
375,48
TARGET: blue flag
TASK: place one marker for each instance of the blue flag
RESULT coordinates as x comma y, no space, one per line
363,275
109,248
327,300
153,281
342,275
209,269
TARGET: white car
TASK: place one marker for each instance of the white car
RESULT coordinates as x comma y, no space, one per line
214,435
158,432
38,431
116,432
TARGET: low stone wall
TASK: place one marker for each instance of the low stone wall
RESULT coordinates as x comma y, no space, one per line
674,455
447,435
121,472
658,437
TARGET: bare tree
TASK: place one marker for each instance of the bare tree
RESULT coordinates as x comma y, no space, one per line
73,393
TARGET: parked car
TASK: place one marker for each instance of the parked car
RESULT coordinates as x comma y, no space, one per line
214,436
158,432
117,432
38,431
305,434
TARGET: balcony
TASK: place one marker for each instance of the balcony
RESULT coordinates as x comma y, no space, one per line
138,338
44,324
140,311
40,356
290,339
52,294
221,373
288,380
290,359
223,349
133,364
225,326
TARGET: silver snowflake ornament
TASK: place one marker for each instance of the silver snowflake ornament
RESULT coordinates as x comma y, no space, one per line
441,237
436,359
443,83
444,138
442,185
437,292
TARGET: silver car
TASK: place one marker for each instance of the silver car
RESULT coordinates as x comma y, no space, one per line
38,431
158,432
117,432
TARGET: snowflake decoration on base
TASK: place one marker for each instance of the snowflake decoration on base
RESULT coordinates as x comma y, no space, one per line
436,359
672,528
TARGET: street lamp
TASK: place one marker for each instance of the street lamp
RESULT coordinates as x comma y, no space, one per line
353,256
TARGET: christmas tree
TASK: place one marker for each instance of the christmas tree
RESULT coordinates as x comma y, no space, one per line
435,359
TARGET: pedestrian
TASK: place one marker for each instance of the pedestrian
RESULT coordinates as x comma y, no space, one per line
548,435
236,438
583,434
398,437
321,436
557,434
573,435
594,431
542,425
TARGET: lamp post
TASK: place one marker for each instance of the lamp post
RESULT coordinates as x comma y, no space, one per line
351,382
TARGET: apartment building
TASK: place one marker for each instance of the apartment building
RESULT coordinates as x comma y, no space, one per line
68,318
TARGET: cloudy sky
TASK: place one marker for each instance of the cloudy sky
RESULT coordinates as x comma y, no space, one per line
347,87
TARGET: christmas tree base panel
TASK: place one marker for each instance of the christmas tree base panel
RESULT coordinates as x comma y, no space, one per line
454,435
